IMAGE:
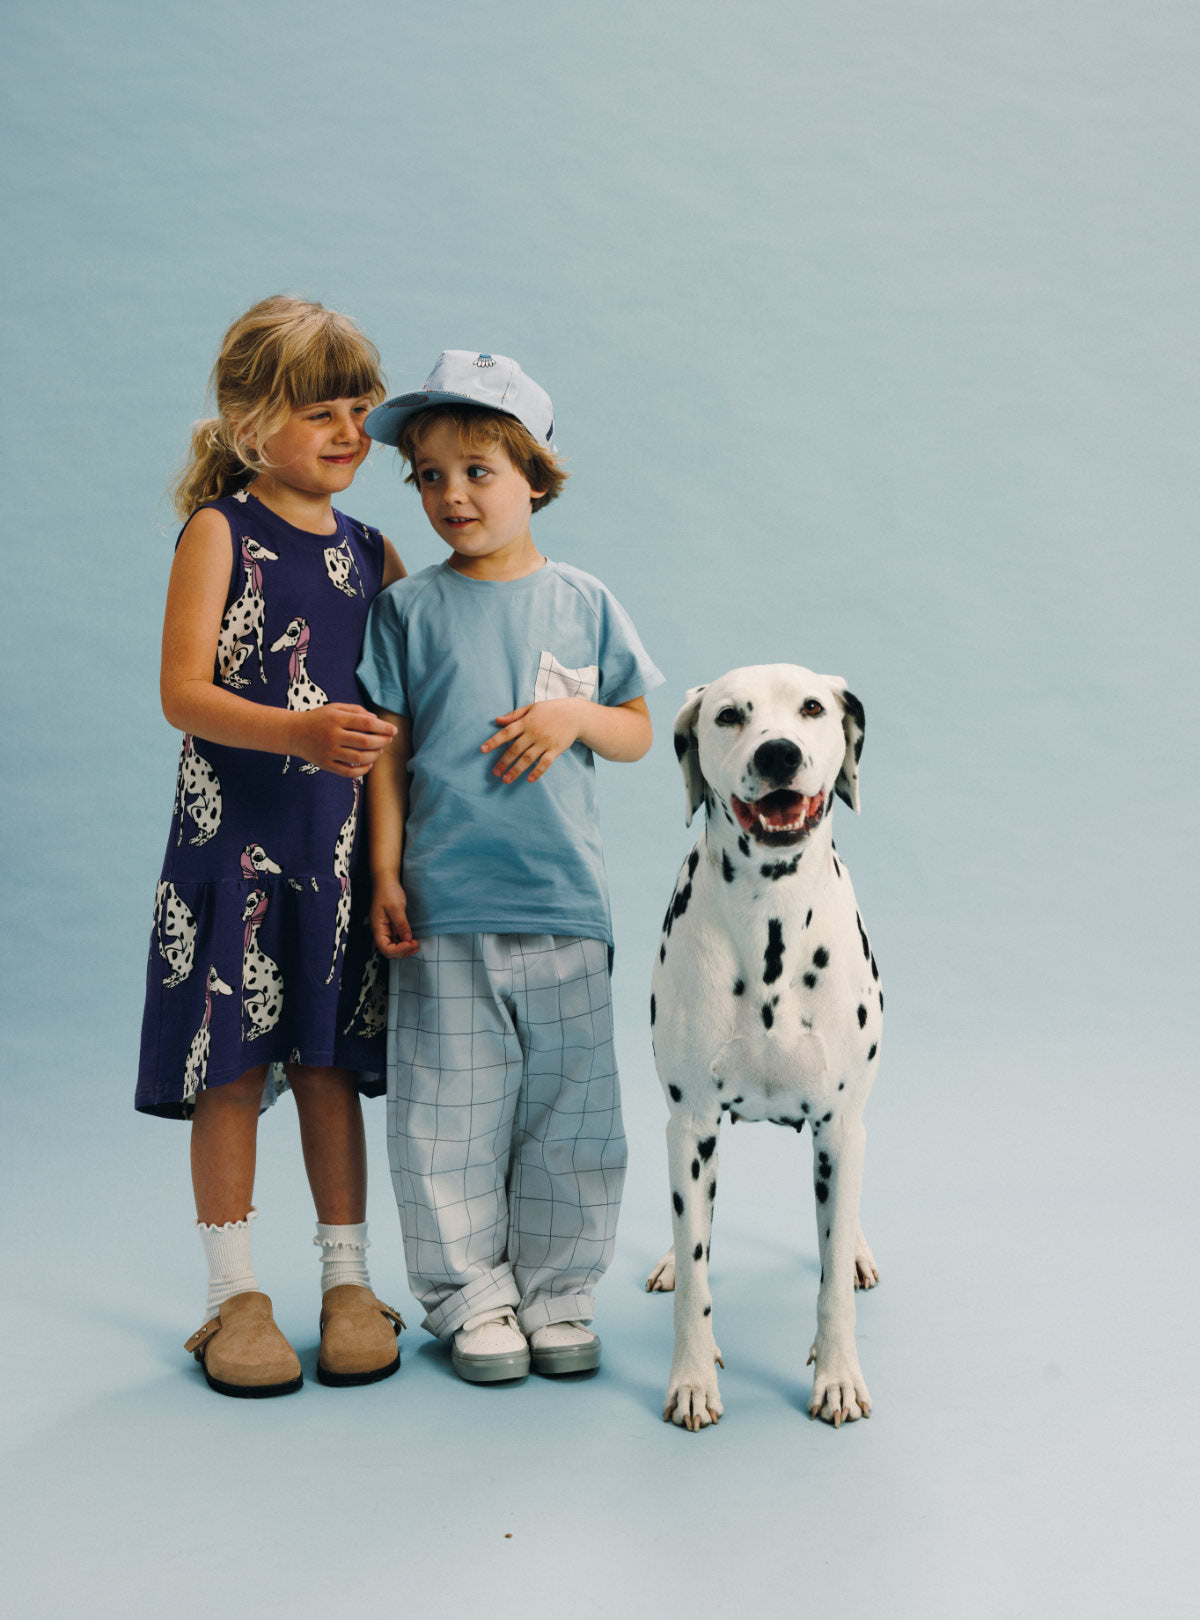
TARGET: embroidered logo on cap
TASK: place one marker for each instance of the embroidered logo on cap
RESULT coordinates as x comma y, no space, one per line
484,360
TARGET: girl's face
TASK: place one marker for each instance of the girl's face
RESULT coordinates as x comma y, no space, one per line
319,448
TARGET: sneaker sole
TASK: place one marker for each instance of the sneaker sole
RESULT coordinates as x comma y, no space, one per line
491,1369
566,1358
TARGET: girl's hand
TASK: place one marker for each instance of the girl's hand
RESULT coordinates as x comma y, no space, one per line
536,735
343,738
389,919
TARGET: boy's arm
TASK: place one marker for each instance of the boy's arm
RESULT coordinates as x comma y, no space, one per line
387,801
537,733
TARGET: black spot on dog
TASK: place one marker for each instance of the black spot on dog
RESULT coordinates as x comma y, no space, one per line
768,1017
744,844
737,1100
874,969
862,1016
695,1169
698,1251
824,1162
808,919
720,1085
781,869
804,1108
728,814
712,1191
810,980
678,1203
653,1009
680,904
707,1148
862,934
708,1310
675,1093
773,958
681,745
881,1001
727,871
662,953
871,1053
820,957
798,1125
822,1190
825,1118
693,862
739,987
841,1085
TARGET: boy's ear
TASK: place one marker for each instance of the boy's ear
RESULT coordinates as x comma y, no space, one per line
687,752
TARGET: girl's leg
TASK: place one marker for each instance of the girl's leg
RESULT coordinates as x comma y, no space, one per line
224,1139
358,1331
333,1142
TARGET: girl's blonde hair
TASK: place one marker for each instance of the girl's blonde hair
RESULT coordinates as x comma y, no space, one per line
281,355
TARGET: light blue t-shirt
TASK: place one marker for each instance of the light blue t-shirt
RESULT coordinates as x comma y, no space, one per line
452,653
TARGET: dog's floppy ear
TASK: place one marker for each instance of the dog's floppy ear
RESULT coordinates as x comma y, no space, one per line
854,727
687,752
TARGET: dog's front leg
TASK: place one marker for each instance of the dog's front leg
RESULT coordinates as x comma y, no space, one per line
692,1400
839,1391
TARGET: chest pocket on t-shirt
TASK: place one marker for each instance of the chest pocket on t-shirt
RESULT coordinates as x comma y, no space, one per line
555,680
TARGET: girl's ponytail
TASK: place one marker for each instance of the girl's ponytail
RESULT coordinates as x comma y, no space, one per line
213,468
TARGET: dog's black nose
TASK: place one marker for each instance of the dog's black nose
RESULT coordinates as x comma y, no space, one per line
778,760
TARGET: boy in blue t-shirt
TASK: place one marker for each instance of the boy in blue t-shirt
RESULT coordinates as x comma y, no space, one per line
504,1117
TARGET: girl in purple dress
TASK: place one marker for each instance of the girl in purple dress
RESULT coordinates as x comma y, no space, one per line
262,973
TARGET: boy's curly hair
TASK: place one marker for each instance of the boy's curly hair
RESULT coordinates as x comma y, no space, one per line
482,429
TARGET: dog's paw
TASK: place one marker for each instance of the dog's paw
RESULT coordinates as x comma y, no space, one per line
693,1402
839,1391
662,1279
866,1272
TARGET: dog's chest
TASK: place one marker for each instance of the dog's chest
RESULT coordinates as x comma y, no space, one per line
771,994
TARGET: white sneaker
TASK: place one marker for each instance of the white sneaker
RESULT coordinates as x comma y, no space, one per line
564,1347
490,1348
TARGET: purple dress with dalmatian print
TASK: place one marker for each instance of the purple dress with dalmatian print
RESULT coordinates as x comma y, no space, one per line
261,951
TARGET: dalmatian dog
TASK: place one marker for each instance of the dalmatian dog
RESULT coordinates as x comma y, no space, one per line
303,692
262,982
197,794
175,933
245,618
766,1002
195,1068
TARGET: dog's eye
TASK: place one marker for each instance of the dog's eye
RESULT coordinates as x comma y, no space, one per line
811,709
730,717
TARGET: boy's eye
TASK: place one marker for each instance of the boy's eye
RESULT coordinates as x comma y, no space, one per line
477,471
428,475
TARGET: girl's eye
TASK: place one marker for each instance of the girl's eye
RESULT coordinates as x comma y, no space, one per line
812,708
730,717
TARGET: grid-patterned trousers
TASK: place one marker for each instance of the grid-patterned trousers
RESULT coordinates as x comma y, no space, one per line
504,1125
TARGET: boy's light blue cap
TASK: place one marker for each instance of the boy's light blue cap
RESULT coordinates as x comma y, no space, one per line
467,377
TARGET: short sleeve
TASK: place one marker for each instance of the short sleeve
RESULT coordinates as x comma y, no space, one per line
626,670
381,668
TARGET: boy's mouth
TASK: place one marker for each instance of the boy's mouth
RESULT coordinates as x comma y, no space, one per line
780,817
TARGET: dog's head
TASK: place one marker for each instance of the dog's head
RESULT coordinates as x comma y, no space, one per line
771,743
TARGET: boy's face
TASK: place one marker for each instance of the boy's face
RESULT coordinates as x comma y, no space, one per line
479,503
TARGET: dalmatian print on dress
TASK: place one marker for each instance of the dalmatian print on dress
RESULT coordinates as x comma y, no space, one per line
243,625
195,1069
197,794
341,870
174,933
370,1010
262,982
303,692
339,565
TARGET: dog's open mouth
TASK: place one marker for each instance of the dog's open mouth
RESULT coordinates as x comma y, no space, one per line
779,817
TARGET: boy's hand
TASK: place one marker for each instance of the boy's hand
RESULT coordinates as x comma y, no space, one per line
536,734
389,920
343,738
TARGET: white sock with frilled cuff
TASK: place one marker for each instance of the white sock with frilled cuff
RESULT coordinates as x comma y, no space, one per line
343,1255
230,1269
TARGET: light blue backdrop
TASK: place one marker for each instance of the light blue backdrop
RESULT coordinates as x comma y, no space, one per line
871,332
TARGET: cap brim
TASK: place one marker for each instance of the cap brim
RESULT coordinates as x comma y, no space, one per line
383,424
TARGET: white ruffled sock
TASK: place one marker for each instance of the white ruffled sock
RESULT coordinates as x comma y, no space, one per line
227,1254
343,1255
